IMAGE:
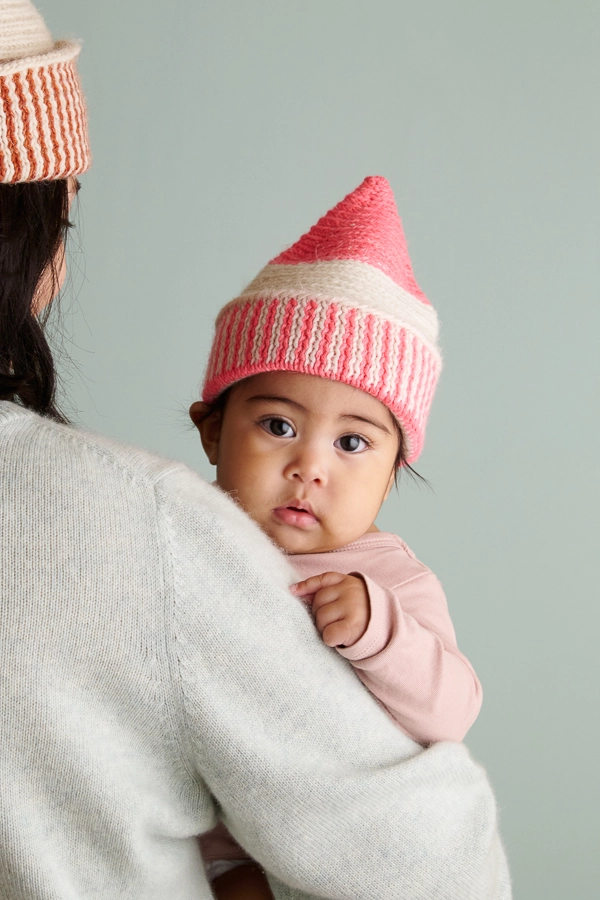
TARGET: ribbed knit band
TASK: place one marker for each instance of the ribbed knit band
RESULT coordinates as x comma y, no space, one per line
330,340
43,126
342,304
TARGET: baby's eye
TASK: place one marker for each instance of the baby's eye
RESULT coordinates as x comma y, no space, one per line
351,443
278,427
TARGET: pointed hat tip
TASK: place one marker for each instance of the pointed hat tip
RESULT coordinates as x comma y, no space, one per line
375,181
365,227
372,189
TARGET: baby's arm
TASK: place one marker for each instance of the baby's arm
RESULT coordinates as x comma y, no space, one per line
403,649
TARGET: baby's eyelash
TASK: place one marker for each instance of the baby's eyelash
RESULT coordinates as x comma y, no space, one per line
264,419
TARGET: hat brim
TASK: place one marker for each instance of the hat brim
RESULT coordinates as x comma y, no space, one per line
43,121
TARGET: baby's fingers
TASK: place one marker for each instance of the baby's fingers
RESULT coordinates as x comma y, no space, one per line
338,634
316,583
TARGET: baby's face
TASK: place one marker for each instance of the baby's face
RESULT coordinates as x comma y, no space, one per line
310,460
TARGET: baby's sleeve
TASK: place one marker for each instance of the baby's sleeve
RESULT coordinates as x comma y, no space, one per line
409,660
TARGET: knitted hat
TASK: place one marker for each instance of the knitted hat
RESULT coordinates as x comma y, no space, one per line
341,303
43,128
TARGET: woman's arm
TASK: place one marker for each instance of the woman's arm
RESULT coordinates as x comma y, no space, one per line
313,779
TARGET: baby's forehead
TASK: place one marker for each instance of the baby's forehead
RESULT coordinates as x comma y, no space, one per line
312,394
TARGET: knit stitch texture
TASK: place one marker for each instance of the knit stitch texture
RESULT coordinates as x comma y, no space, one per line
43,122
154,665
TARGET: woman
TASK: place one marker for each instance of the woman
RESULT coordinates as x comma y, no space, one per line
156,673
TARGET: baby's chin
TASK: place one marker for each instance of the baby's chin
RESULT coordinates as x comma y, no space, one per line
296,545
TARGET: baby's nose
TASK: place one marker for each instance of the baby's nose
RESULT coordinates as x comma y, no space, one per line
307,466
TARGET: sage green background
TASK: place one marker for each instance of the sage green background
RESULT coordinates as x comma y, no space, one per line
221,131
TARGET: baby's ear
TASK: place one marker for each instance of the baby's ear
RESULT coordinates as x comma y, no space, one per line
198,411
208,424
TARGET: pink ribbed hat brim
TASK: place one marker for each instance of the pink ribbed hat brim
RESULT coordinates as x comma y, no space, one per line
329,340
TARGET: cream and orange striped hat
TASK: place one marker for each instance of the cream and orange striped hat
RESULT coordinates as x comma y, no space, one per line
43,125
342,303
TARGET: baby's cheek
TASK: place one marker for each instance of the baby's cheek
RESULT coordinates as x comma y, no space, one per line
358,507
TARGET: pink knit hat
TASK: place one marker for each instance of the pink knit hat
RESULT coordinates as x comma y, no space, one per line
43,127
341,303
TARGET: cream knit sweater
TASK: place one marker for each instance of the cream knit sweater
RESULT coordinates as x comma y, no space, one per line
154,665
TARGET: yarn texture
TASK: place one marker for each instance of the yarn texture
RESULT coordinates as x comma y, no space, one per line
43,122
155,669
341,303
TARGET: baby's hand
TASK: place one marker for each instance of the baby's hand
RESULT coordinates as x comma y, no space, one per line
340,604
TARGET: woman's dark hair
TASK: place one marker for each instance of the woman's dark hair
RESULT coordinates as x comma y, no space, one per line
34,218
400,463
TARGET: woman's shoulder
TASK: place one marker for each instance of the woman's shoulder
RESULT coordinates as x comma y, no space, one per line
108,474
38,451
128,480
35,442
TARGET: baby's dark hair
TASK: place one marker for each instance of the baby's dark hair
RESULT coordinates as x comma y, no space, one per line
400,463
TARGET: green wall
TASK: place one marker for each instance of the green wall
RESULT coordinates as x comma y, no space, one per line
221,131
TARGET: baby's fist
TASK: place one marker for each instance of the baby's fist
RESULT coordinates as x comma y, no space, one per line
340,605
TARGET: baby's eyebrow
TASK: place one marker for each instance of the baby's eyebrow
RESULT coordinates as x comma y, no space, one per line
272,398
356,418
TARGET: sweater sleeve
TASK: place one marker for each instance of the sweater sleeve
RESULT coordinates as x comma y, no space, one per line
409,660
310,775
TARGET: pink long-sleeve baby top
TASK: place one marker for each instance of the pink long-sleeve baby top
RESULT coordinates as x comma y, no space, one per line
408,657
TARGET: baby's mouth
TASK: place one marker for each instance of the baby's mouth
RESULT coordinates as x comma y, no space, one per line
298,514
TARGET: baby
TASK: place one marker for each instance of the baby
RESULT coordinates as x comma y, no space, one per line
317,392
